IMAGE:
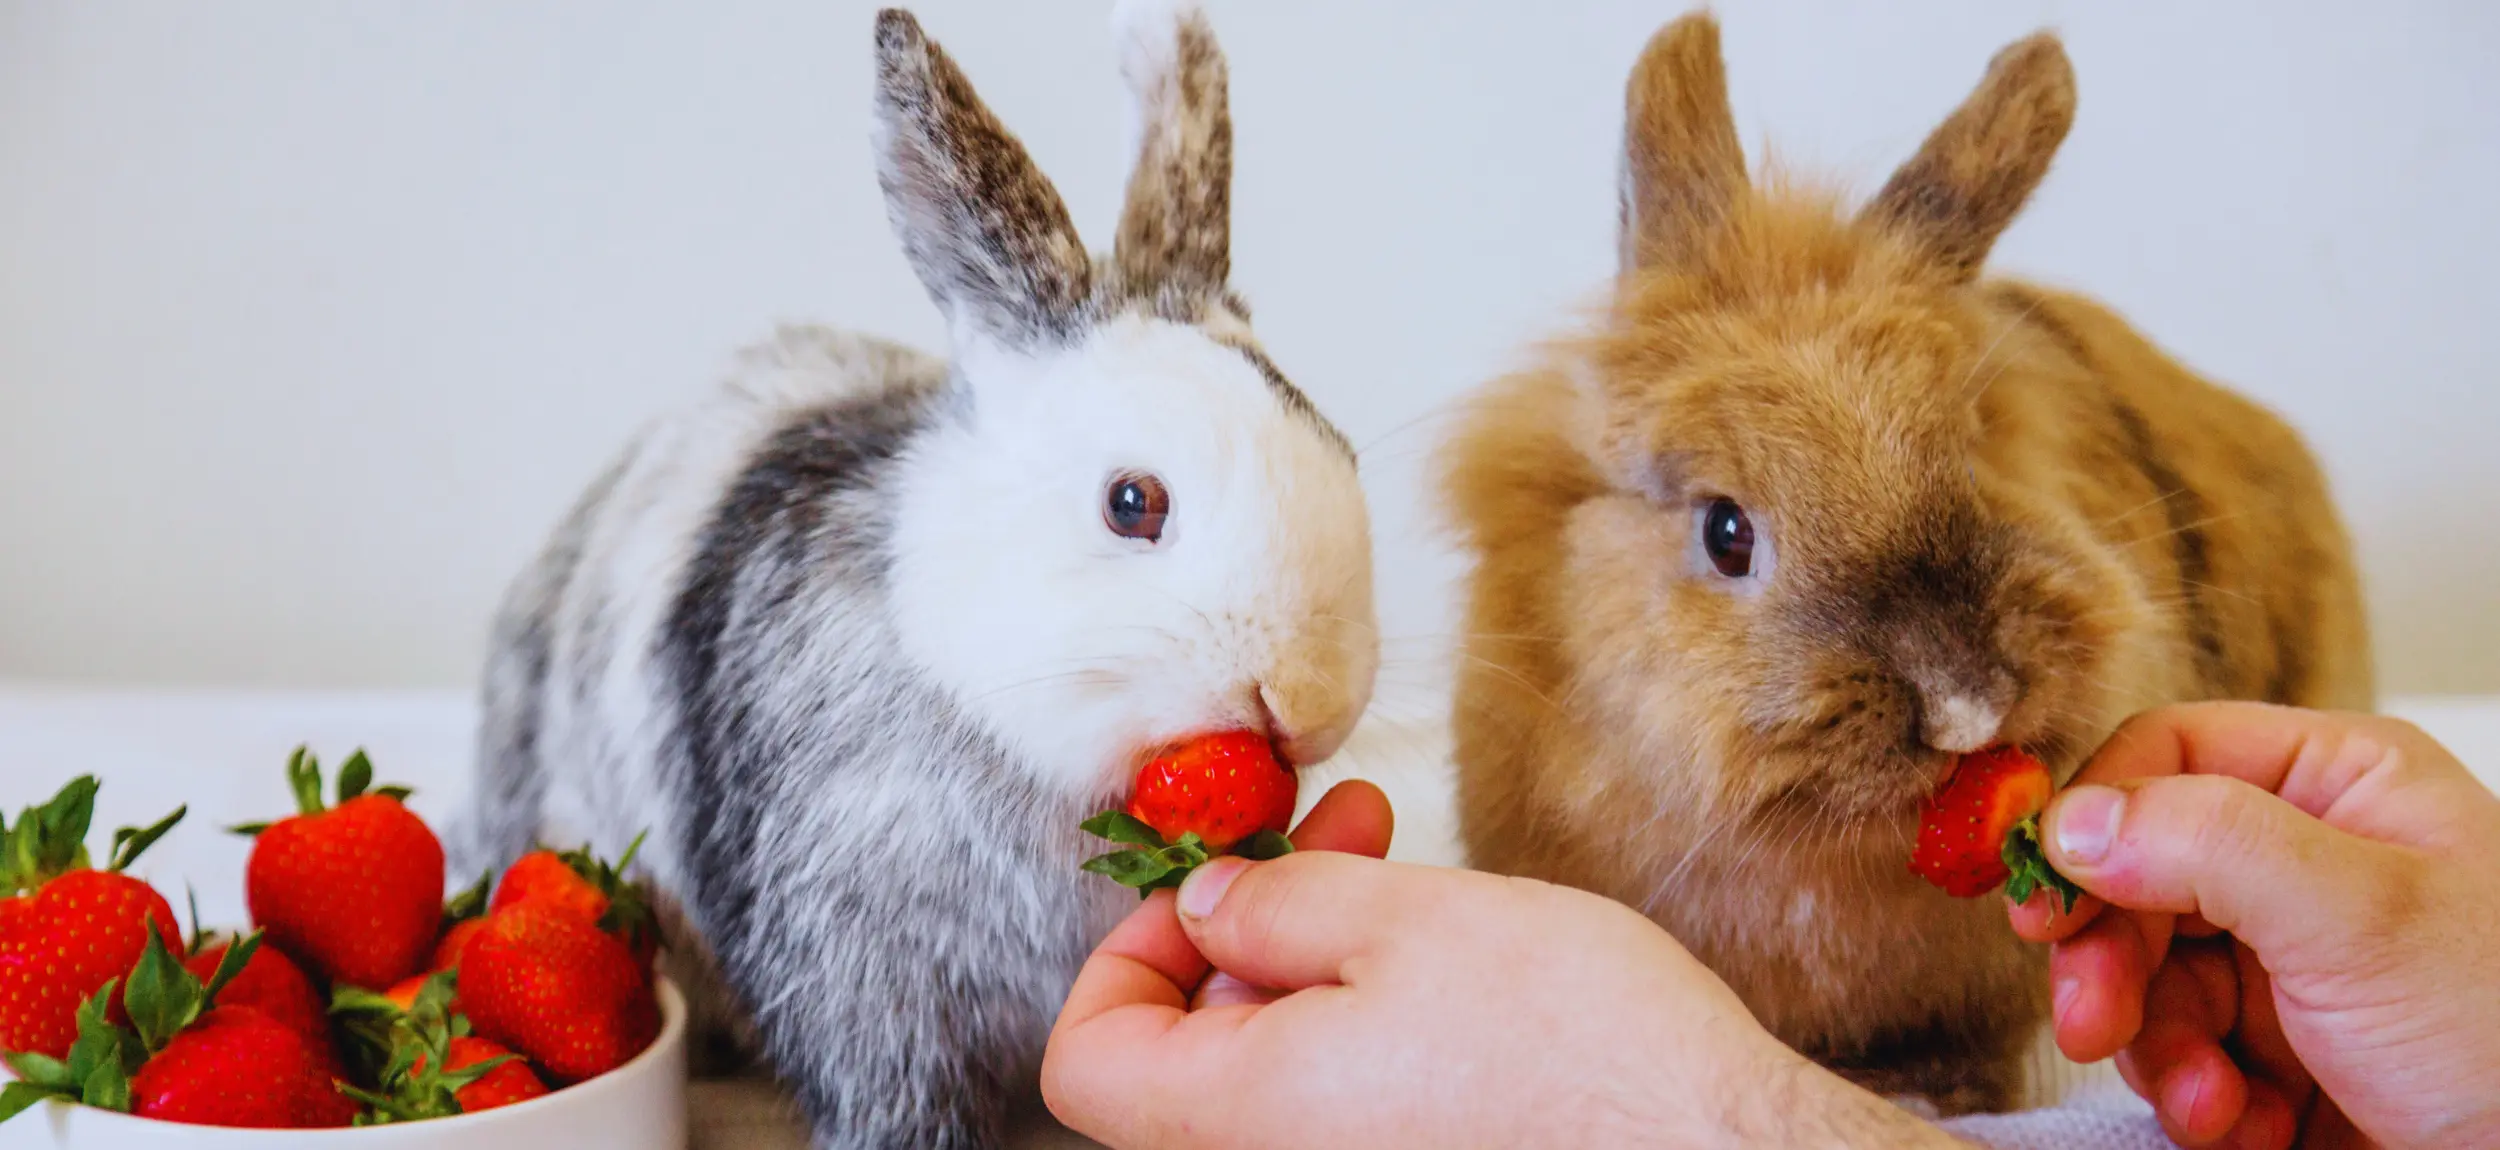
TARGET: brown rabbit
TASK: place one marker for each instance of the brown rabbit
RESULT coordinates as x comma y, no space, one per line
1814,509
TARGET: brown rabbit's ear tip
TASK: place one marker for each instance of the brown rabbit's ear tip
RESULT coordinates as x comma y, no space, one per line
898,31
2039,57
1688,39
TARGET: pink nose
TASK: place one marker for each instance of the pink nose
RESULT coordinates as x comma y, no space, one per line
1298,747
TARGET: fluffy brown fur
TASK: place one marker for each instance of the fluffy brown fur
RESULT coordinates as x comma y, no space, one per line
1984,512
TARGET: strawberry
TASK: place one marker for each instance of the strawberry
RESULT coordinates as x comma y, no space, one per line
588,885
272,984
1982,829
1202,798
544,876
455,940
239,1067
183,1057
79,929
355,890
501,1085
411,1038
461,918
550,984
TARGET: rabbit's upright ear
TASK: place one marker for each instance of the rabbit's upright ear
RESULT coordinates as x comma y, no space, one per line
982,227
1974,172
1682,167
1177,227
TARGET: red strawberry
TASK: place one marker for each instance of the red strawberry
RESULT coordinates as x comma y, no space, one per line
355,890
460,920
455,940
1216,793
238,1067
79,929
195,1061
504,1085
1222,788
1982,828
544,876
589,886
272,984
552,985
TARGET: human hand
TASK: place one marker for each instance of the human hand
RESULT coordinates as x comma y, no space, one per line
1372,1004
2308,944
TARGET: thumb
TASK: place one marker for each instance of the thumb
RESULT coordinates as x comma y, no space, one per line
2249,862
1296,921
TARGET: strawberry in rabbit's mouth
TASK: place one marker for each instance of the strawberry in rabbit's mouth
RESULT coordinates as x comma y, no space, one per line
1228,791
1981,828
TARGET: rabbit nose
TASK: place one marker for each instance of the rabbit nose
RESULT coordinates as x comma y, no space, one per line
1960,723
1303,733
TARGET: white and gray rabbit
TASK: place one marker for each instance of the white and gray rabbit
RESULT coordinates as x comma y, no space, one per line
863,636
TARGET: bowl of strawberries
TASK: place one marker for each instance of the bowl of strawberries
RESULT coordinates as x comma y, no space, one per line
361,1009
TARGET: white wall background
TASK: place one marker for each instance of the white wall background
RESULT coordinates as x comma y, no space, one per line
313,316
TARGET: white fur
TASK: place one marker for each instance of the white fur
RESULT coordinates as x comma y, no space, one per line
1959,724
1082,649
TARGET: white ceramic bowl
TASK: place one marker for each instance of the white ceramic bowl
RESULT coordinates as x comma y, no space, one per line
638,1106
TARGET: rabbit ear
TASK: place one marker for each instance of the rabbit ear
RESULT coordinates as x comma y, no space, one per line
1974,172
1682,166
1176,229
986,233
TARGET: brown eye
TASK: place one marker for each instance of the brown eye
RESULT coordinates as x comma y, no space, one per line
1136,505
1727,537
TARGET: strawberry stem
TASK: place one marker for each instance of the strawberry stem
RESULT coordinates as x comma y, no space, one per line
1151,864
2028,863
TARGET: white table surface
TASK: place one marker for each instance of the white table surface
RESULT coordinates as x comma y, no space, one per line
222,753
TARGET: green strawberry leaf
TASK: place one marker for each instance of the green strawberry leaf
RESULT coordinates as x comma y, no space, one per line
355,775
129,841
18,1097
470,903
345,999
41,1070
1134,868
1122,827
99,1041
237,956
395,792
434,997
66,817
99,1066
162,997
303,777
49,840
247,830
468,1075
108,1088
198,940
380,1109
631,849
1264,845
2029,864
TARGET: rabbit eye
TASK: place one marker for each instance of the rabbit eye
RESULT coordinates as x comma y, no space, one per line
1135,506
1727,538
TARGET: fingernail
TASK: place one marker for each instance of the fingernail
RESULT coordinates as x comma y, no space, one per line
2087,822
2062,997
1204,889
